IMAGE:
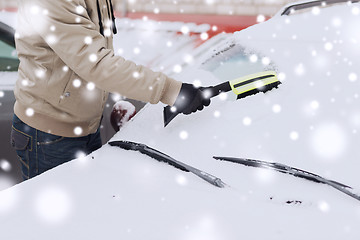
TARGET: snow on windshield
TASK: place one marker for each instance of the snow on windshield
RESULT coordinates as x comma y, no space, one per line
313,112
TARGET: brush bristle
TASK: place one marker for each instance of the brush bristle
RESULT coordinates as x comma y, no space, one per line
263,89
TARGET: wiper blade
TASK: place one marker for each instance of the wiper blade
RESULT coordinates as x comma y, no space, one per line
292,171
162,157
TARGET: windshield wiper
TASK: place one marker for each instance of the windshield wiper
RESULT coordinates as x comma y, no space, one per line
319,3
162,157
292,171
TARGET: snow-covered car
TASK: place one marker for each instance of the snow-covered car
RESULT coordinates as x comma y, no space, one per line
135,41
310,122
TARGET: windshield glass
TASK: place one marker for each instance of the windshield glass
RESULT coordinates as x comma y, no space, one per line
235,61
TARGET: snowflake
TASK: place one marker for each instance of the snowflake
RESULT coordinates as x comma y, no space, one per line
328,46
136,74
314,104
265,61
78,131
209,2
136,50
80,9
253,58
188,58
217,114
184,135
29,112
25,82
276,108
204,36
76,83
196,83
35,10
247,121
90,86
260,18
294,135
173,109
5,165
40,73
181,180
185,30
352,77
93,57
324,206
177,68
156,10
315,10
81,156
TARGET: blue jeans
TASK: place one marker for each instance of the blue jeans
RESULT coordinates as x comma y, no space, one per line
39,151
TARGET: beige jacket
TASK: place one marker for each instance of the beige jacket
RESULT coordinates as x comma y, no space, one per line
68,66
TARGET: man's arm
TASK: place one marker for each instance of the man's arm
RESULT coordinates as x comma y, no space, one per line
67,29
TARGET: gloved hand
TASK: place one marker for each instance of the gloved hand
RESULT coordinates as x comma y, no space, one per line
190,99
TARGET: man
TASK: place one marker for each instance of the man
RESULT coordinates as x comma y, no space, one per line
67,67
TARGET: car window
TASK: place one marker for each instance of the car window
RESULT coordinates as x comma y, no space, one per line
8,58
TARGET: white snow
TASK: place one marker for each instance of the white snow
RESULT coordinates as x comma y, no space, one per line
310,122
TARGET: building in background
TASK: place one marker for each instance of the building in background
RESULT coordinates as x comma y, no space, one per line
215,7
225,15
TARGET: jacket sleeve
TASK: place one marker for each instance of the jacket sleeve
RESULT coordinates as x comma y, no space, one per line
67,29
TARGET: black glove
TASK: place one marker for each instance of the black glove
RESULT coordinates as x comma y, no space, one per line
190,99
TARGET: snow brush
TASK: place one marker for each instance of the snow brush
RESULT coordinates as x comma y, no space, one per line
241,87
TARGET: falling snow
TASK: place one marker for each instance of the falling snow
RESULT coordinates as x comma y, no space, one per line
5,165
311,121
30,112
78,131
